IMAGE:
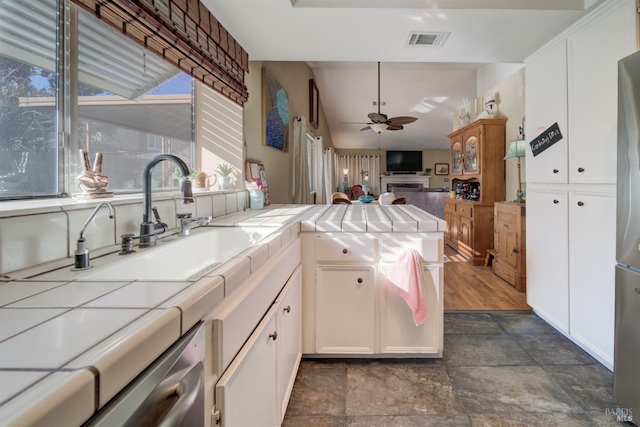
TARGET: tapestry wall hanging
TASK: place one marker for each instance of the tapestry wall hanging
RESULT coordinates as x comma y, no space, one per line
275,113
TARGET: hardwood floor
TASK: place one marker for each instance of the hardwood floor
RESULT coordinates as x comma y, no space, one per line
468,287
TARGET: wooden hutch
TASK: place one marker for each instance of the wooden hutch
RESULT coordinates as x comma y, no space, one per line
477,178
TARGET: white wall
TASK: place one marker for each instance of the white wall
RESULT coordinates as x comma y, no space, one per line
492,75
510,95
294,79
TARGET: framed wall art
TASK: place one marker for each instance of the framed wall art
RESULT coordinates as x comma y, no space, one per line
314,104
275,113
441,168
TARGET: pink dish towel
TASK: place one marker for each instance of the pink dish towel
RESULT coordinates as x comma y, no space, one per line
406,279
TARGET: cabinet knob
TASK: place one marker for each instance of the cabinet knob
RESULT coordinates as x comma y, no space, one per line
360,280
344,251
274,335
580,169
287,309
555,201
462,210
580,203
515,251
556,171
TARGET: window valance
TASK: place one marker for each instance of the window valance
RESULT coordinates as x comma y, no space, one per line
184,33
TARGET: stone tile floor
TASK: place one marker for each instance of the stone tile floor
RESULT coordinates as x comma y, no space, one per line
498,369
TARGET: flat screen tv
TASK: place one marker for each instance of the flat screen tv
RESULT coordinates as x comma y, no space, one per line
404,161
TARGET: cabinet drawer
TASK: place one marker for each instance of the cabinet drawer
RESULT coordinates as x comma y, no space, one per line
340,247
449,205
430,248
506,219
464,209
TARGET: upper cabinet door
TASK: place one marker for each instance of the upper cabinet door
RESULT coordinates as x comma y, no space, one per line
546,104
594,54
471,155
456,156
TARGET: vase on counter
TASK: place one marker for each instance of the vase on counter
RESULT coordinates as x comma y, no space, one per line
225,182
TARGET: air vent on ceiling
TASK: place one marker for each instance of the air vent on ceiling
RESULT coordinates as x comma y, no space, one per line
427,39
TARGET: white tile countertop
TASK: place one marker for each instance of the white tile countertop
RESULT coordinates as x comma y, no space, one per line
70,341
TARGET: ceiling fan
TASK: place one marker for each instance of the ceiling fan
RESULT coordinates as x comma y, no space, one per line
380,122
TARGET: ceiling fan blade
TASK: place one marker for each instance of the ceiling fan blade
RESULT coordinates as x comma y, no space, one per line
401,120
395,127
366,128
377,117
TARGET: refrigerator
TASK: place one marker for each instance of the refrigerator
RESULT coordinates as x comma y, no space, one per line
626,369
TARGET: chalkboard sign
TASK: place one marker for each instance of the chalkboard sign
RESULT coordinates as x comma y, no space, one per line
546,139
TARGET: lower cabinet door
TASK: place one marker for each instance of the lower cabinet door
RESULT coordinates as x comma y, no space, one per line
398,332
344,309
245,395
592,233
289,342
465,237
548,255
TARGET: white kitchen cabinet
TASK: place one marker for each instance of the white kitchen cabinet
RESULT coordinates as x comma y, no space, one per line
261,376
398,332
289,342
594,55
570,254
245,393
344,309
547,255
546,104
573,81
592,270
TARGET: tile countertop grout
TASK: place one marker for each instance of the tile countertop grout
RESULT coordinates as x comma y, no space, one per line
21,395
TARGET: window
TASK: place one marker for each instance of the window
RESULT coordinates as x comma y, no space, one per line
28,130
131,105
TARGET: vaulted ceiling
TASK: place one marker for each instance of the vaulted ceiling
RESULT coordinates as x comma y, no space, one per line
342,41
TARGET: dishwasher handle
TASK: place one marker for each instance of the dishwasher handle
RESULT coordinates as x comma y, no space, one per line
187,389
184,386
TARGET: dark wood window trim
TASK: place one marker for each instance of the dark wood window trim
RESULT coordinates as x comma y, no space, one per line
184,33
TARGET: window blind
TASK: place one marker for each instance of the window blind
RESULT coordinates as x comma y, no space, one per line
184,33
106,58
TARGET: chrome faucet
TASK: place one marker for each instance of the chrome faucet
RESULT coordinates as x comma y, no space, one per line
82,253
149,230
186,222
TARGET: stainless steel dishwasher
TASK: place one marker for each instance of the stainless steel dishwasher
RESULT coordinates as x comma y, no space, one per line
169,393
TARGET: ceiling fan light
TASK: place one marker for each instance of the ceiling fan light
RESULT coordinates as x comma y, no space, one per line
379,127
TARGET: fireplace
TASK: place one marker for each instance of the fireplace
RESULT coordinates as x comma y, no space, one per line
391,185
410,181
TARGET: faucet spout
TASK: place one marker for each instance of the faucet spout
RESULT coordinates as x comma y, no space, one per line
81,261
149,230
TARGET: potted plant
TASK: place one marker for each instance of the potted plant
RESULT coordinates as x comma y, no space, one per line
177,174
427,171
225,170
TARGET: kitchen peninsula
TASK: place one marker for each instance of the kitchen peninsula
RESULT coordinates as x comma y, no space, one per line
66,329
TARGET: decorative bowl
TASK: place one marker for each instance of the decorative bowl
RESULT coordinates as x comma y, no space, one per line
365,199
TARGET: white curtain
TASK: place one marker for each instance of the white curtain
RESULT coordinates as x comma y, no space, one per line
359,167
329,174
318,171
301,189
